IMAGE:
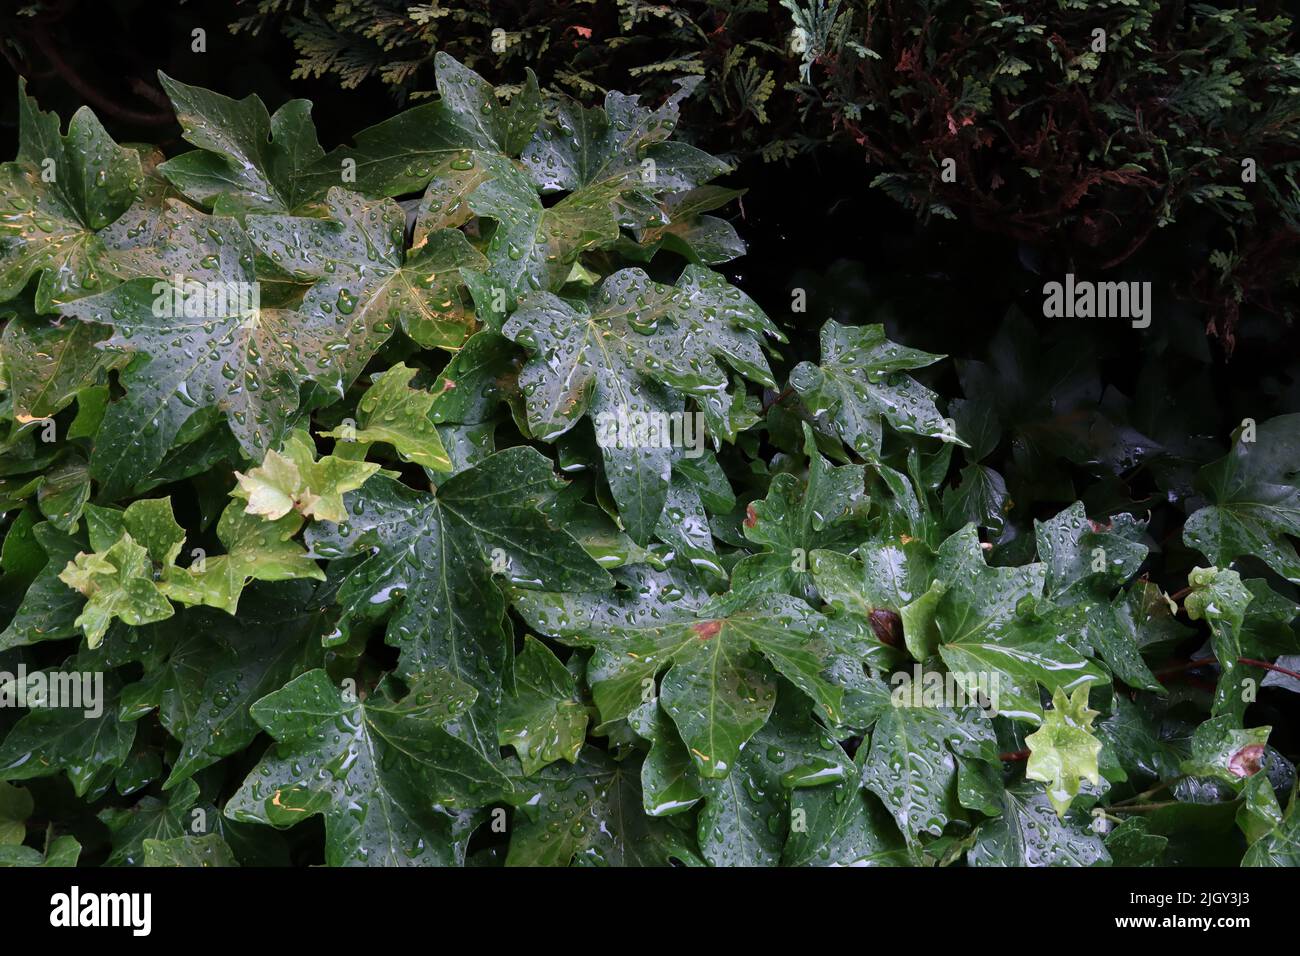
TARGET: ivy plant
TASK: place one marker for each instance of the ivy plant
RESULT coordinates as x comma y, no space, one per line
437,486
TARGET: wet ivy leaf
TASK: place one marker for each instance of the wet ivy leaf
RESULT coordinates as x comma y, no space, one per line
1086,562
861,382
149,819
365,284
437,141
86,743
207,710
345,759
49,608
117,583
912,764
623,358
824,511
981,635
1221,599
293,480
979,498
212,346
1063,752
1132,844
1281,845
746,815
198,851
542,719
590,814
395,414
669,784
1226,752
892,576
645,597
48,363
1255,500
1029,833
432,557
842,825
535,247
64,493
59,193
708,240
247,160
721,681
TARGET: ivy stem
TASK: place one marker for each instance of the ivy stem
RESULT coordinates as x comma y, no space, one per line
1202,661
1145,807
1014,755
1162,785
1269,667
89,92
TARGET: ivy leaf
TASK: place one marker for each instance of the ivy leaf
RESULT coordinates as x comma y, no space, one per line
621,147
247,161
1220,597
49,608
15,807
88,745
211,350
913,761
669,784
363,282
841,825
1086,561
535,246
438,141
981,634
1062,751
392,412
1133,844
627,353
117,583
893,576
721,681
860,383
1224,751
744,818
57,196
543,719
255,550
150,819
1030,832
430,560
1281,845
294,481
1255,500
47,364
798,516
210,849
347,761
62,852
218,666
707,240
590,815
